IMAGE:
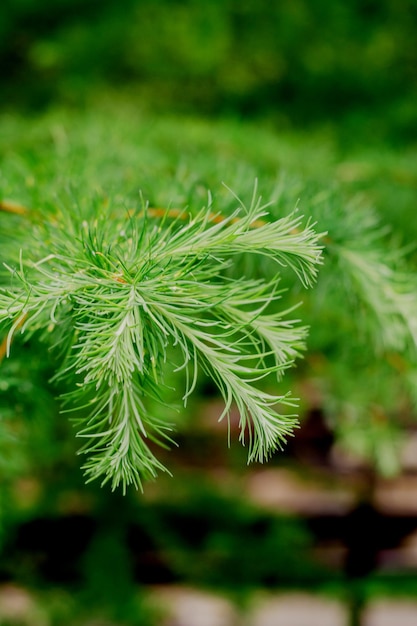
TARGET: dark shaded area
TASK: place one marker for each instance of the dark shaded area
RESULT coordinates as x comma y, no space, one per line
365,533
204,540
314,440
197,536
48,549
170,544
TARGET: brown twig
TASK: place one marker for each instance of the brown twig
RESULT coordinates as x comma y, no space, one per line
215,218
3,349
9,206
13,207
4,345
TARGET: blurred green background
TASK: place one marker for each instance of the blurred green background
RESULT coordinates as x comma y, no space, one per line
296,61
317,100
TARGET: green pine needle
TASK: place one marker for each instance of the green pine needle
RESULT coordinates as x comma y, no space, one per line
121,295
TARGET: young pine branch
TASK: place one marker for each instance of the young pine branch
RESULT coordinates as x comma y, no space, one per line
124,296
377,280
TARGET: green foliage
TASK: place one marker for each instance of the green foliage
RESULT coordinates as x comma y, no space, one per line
251,57
136,275
72,168
113,293
120,183
219,541
369,284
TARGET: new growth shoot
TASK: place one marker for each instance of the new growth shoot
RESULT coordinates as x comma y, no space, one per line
120,296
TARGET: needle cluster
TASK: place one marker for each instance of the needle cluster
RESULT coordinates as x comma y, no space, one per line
121,296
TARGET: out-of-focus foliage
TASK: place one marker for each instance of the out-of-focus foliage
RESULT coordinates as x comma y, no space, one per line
361,346
300,60
85,553
212,539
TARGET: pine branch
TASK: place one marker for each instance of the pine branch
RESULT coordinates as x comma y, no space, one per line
377,280
119,294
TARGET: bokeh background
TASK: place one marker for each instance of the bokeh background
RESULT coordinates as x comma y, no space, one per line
316,99
298,62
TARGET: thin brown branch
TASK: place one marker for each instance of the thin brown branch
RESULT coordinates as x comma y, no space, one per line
13,207
5,343
182,214
3,349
